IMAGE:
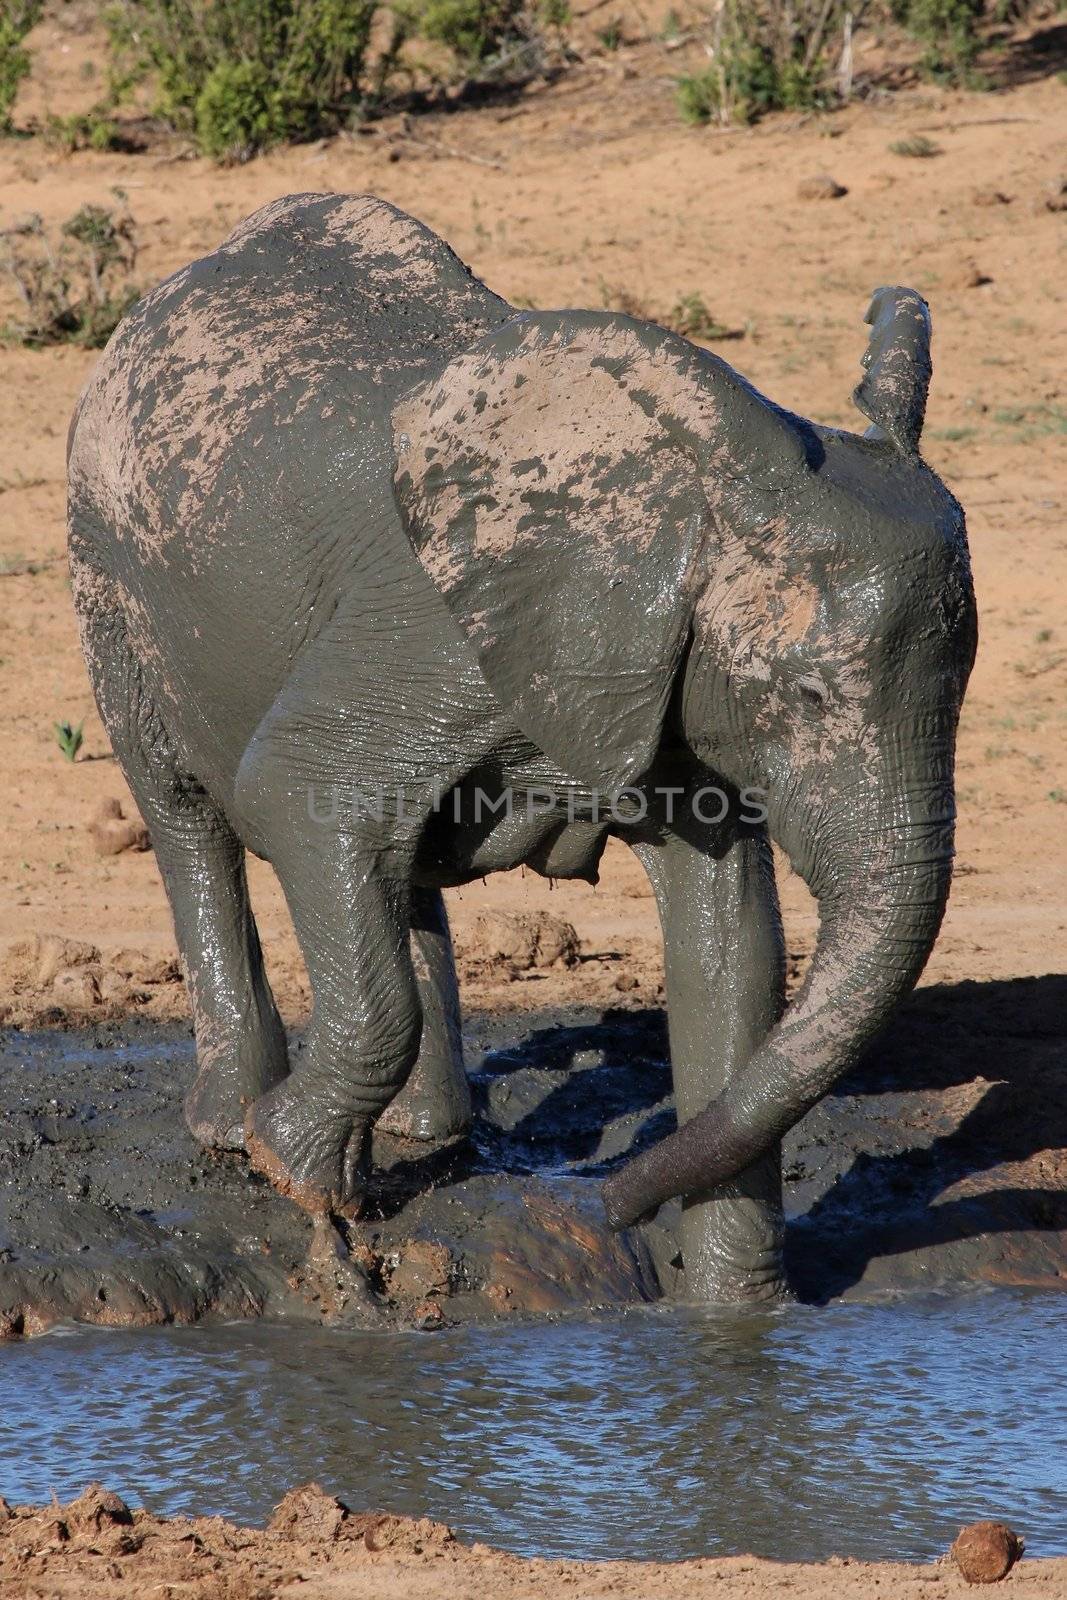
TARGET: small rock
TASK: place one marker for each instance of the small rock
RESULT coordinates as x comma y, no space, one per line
637,889
822,187
382,1531
308,1512
985,1552
419,1270
990,197
143,968
76,988
428,1317
625,982
964,275
96,1508
518,941
1055,196
55,953
112,833
114,990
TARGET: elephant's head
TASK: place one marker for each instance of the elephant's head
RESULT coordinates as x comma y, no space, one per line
642,548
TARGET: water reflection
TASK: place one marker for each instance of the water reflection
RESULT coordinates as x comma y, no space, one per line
867,1430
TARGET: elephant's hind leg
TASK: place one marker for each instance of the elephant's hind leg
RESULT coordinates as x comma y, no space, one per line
350,904
435,1103
240,1041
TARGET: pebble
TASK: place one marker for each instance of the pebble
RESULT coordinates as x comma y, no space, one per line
822,187
985,1552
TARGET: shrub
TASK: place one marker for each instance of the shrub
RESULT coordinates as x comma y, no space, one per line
235,112
917,146
764,57
75,291
17,17
698,96
692,318
240,75
948,29
84,130
771,54
69,739
479,32
472,29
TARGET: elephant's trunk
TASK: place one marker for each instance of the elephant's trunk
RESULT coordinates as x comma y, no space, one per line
881,902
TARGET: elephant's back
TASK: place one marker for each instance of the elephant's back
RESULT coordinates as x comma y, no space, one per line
230,459
290,341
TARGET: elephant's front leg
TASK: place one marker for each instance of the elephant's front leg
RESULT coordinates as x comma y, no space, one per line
725,970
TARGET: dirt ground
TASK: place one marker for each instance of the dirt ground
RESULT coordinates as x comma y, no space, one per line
95,1547
580,193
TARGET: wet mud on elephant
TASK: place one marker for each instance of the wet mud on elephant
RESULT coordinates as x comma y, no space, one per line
365,561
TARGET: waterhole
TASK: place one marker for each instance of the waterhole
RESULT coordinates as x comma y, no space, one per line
872,1431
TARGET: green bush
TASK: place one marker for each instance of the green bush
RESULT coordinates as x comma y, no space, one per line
77,288
473,30
948,30
772,54
17,17
240,75
765,57
83,130
479,31
235,111
692,318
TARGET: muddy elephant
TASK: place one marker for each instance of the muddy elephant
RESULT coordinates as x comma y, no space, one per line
396,586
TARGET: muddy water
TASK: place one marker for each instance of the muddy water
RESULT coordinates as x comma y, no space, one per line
867,1430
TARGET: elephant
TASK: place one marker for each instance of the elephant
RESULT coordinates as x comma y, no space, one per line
395,586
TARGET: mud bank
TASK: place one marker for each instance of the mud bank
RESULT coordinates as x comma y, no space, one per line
939,1163
314,1547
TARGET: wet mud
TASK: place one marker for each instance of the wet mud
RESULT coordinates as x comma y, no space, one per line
938,1163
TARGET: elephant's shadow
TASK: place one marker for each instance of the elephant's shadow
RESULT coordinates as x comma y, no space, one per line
576,1095
968,1078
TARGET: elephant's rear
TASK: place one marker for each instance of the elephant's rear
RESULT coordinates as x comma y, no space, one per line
230,454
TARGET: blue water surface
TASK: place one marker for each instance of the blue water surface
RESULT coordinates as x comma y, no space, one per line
873,1431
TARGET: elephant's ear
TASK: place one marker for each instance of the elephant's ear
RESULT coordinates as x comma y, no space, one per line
551,494
893,392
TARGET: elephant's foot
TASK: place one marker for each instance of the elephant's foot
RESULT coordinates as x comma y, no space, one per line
224,1088
732,1251
434,1106
314,1154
